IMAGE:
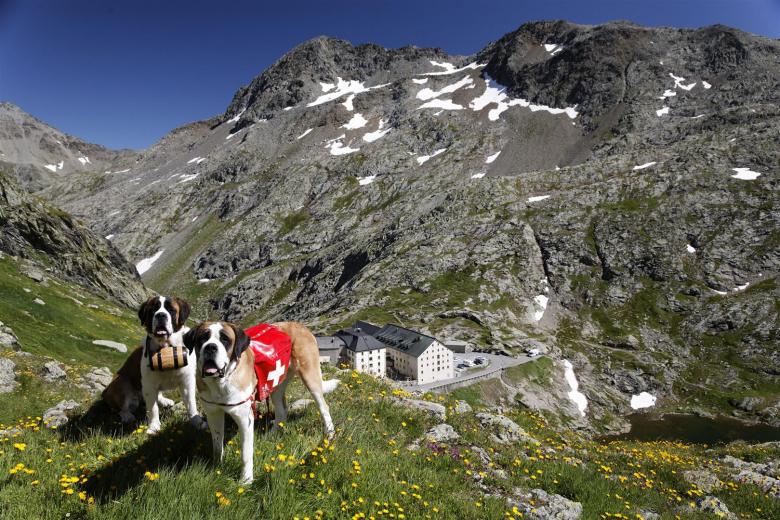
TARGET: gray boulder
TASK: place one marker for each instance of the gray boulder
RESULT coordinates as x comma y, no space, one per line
705,480
56,416
52,371
546,506
7,375
95,380
462,407
8,339
714,505
433,409
442,433
504,430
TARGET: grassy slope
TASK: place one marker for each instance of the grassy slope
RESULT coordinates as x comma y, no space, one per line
61,329
366,470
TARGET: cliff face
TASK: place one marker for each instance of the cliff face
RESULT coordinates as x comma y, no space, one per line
608,191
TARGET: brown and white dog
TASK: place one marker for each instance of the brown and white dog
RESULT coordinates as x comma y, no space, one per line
164,319
227,381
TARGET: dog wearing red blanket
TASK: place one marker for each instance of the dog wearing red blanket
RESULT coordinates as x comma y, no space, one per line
235,368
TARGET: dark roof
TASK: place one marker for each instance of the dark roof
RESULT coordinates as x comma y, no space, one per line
358,341
368,328
404,340
330,342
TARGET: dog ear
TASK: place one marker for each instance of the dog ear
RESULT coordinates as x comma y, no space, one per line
145,308
184,312
190,339
242,342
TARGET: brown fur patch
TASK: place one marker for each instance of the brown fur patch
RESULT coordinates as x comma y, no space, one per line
126,381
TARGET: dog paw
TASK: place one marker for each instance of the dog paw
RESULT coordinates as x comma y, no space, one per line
246,480
199,423
153,429
126,417
164,402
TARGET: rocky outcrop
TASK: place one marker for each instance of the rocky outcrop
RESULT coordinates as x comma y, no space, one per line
96,380
52,371
57,415
7,375
8,339
30,228
537,504
504,430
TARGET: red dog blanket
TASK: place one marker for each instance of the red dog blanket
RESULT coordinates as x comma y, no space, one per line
272,349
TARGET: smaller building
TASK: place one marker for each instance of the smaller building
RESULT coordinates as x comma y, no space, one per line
362,351
458,346
330,348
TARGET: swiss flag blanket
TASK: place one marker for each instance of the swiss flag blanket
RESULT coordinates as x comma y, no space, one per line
272,349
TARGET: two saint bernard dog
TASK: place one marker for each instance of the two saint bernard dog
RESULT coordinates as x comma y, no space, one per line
220,368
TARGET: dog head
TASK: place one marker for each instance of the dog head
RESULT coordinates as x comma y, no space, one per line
216,344
163,315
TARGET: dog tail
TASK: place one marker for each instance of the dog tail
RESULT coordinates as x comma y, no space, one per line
330,385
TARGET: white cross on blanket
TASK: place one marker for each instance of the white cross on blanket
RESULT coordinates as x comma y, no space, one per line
276,374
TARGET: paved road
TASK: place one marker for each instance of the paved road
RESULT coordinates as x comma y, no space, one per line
495,364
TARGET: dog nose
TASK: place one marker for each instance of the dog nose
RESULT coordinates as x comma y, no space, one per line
160,316
210,349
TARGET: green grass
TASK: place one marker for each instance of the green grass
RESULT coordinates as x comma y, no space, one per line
293,220
61,329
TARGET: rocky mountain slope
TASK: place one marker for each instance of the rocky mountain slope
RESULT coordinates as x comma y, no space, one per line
608,192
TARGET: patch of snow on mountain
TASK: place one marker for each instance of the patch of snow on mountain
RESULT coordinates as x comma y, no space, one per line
642,400
553,48
187,177
84,160
706,85
304,134
235,118
741,287
575,395
380,132
422,81
496,93
146,264
745,174
204,280
678,82
52,167
109,237
478,175
336,147
357,121
470,66
327,87
348,103
342,88
444,104
690,249
365,181
196,160
668,93
425,158
443,64
643,166
541,305
426,93
662,112
538,198
493,157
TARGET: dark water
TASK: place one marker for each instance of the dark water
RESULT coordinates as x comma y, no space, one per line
696,430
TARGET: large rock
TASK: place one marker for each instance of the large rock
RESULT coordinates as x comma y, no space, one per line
96,380
714,505
8,339
52,371
443,433
57,415
7,375
703,479
435,410
537,504
462,407
504,430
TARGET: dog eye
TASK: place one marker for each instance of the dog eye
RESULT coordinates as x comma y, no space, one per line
224,338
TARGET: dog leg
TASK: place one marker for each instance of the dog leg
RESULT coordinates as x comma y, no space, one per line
245,420
279,402
151,395
312,379
164,402
216,418
188,393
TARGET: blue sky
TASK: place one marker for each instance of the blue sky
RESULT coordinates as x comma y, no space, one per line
124,73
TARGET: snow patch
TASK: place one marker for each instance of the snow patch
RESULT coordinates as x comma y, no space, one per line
187,177
706,85
496,93
84,160
541,305
451,69
419,81
443,64
146,264
327,87
308,130
365,181
336,147
643,166
742,287
552,48
196,160
235,118
745,174
690,249
425,158
109,237
493,157
343,88
357,121
662,112
426,93
575,395
668,93
444,104
642,400
538,198
478,175
380,132
55,167
204,280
